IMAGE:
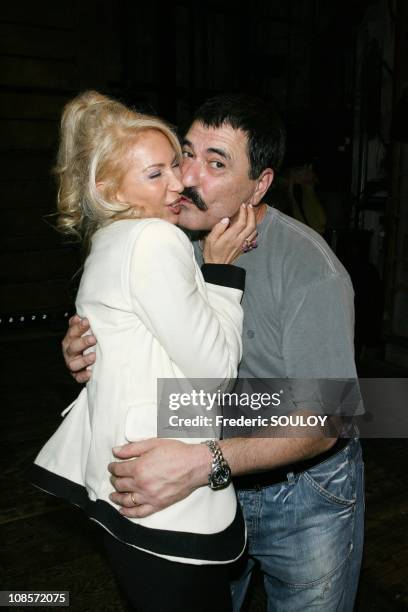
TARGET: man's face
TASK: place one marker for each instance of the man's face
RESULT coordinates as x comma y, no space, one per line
216,169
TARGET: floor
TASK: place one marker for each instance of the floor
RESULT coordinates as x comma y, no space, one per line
47,545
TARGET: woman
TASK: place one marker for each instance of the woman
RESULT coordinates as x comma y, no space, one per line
154,317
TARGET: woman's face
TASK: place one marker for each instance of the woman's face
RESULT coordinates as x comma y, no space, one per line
152,180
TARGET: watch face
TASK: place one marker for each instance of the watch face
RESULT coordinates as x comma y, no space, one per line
220,477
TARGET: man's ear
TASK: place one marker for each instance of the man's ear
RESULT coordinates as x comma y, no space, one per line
263,182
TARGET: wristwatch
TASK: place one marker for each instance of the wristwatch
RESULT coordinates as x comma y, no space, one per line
220,475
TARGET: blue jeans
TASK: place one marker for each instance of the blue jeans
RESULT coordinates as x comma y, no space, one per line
307,536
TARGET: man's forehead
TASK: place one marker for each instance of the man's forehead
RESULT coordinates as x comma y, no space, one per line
212,137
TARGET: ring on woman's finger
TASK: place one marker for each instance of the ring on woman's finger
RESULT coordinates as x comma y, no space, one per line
133,499
249,245
245,246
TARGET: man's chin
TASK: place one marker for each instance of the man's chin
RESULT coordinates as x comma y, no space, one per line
191,218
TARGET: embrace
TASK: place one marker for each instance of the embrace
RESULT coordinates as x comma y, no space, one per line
259,296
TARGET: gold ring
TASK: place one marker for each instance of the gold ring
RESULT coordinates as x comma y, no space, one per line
133,500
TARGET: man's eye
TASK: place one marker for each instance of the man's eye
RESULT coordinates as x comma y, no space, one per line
187,154
217,164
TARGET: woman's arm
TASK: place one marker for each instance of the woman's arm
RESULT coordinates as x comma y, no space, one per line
222,245
199,329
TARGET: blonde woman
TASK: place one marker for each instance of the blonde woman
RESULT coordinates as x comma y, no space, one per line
154,316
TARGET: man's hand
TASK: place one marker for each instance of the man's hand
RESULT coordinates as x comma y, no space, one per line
73,346
158,474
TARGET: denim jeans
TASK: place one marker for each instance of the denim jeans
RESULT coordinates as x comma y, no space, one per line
306,534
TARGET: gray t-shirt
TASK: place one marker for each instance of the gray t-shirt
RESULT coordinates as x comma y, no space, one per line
298,305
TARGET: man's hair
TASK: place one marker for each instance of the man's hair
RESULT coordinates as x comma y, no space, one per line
260,122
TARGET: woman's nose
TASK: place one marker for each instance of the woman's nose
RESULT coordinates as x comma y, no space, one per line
176,183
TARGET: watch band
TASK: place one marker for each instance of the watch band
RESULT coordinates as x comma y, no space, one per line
215,451
220,475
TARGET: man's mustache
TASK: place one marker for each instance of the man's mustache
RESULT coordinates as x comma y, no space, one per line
191,194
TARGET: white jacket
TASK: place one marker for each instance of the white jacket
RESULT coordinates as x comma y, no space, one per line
154,317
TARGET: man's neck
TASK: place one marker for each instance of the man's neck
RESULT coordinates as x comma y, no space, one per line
260,212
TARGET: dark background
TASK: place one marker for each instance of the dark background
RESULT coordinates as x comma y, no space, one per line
335,70
338,73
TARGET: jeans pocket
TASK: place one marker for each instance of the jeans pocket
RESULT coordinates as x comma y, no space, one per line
334,480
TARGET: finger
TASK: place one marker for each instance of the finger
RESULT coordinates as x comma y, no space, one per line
82,377
126,500
76,346
130,499
139,511
74,331
242,219
233,235
122,485
252,236
123,469
84,324
74,320
135,449
77,327
251,218
218,229
250,226
81,362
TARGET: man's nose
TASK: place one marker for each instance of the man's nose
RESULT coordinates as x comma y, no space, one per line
190,173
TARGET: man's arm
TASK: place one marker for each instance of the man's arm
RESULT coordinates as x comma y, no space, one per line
319,323
249,455
166,471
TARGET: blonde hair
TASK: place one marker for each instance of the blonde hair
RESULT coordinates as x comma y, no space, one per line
96,134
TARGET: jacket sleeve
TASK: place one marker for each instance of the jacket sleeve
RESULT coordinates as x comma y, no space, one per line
199,325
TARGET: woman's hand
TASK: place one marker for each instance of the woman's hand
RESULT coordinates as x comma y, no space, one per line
225,243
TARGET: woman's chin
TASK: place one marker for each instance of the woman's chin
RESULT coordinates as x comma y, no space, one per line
171,216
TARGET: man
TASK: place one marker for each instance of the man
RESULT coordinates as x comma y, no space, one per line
302,497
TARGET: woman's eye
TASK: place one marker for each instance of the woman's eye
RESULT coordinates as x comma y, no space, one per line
155,175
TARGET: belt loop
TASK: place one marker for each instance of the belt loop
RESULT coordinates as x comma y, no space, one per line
291,478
